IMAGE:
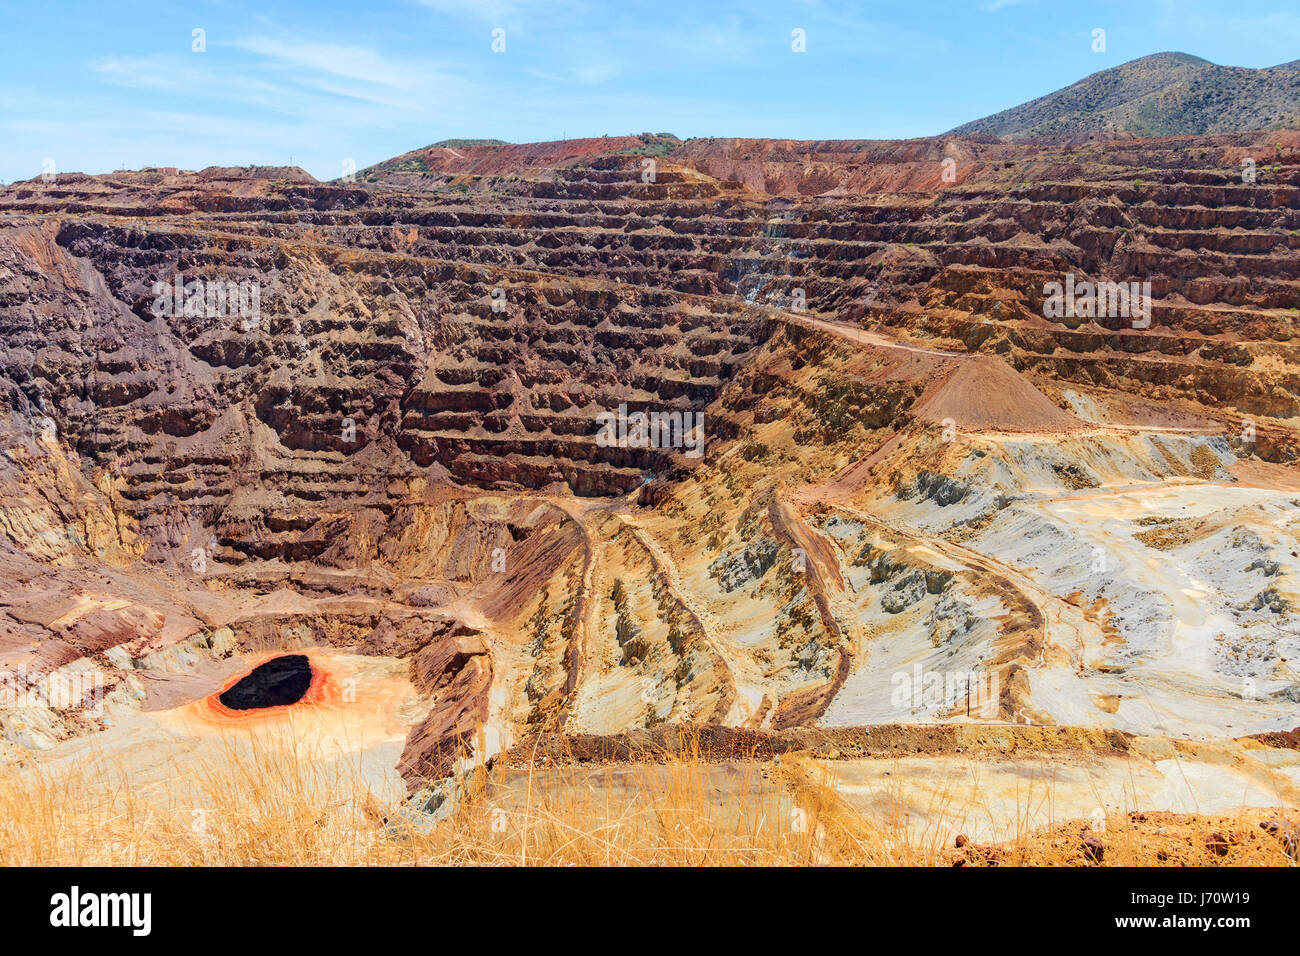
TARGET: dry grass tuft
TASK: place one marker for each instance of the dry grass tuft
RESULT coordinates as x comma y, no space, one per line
263,808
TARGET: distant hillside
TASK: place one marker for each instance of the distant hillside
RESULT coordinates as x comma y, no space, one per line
494,157
461,143
1165,94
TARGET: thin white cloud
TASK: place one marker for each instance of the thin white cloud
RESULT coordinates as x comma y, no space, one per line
591,74
495,12
355,63
296,78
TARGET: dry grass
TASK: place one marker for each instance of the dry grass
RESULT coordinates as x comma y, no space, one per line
258,808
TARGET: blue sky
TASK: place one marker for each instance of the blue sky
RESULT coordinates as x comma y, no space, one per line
96,86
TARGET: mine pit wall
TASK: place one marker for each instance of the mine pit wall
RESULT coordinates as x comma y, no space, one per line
386,317
821,567
979,633
37,714
977,211
484,403
458,675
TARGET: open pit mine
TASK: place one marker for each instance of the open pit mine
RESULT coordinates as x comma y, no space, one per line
940,496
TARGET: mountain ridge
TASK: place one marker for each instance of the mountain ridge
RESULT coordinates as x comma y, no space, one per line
1159,95
1163,94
